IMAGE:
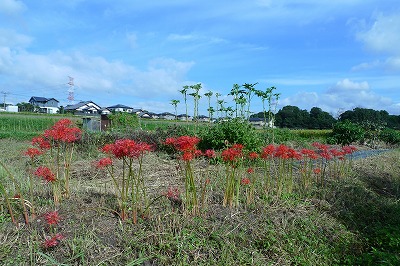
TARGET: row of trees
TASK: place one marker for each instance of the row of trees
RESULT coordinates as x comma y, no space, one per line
241,95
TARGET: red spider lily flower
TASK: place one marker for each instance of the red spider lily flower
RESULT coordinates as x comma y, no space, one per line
59,236
41,143
349,149
187,156
45,173
310,154
253,155
72,135
63,131
245,181
292,153
33,152
210,154
326,155
198,153
317,171
232,154
336,153
126,148
50,242
250,170
52,218
108,148
183,143
267,151
169,141
104,162
282,151
173,193
320,146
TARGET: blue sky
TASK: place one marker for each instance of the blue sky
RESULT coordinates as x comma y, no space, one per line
336,55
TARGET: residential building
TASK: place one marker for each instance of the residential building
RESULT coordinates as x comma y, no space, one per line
120,108
84,108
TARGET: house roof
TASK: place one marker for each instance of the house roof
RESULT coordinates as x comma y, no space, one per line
120,106
41,99
78,105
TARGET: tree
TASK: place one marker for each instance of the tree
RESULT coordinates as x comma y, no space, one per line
292,117
175,104
196,98
250,88
208,95
25,107
320,119
184,93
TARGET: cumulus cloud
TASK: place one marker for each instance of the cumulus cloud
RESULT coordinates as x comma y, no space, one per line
382,36
94,75
344,95
348,86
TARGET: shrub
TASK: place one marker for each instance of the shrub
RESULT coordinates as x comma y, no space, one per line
232,131
346,132
390,136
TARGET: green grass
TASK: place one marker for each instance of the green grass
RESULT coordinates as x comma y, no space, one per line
24,126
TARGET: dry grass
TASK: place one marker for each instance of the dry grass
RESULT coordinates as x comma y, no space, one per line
312,229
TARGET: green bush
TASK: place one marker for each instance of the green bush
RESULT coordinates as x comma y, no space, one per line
229,132
390,136
346,132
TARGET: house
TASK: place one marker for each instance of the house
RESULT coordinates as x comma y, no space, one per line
83,108
182,117
44,105
120,108
43,102
203,118
258,122
166,116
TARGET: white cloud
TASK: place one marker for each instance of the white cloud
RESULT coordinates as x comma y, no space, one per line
348,86
383,36
9,38
94,76
344,95
11,7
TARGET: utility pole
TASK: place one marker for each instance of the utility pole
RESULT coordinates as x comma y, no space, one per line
71,84
4,99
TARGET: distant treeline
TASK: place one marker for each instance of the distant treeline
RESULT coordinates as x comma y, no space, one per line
293,117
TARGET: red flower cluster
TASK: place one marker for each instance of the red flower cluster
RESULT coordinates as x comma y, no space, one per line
126,148
53,241
52,218
250,170
267,151
233,153
210,154
33,152
187,145
310,154
104,162
245,181
173,194
253,155
45,173
41,143
284,152
63,131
